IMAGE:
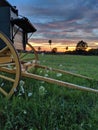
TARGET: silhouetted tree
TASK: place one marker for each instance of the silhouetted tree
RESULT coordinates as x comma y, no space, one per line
54,50
81,46
50,42
39,48
93,52
66,48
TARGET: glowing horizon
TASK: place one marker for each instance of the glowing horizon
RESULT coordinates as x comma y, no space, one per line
60,47
47,47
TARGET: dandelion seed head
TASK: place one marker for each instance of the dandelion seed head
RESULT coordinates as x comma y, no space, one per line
42,88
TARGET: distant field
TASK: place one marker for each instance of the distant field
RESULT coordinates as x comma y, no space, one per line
44,106
86,65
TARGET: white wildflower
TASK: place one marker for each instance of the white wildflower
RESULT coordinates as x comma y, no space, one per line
46,75
41,71
21,86
29,94
19,94
21,83
25,112
60,65
47,71
9,66
5,107
22,89
42,54
42,82
42,90
50,68
59,75
34,61
2,84
15,90
38,62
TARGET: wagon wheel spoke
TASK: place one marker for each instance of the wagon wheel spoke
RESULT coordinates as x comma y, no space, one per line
3,91
34,51
9,62
29,59
29,56
25,56
7,65
4,49
22,55
7,78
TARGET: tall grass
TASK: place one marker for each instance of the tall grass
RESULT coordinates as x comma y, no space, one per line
38,105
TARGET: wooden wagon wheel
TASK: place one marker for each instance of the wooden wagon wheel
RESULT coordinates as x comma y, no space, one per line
29,58
9,67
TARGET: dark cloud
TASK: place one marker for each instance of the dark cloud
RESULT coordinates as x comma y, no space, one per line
61,19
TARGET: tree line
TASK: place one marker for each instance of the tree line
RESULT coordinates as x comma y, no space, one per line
80,49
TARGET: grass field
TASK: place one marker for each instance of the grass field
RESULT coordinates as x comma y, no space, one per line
43,106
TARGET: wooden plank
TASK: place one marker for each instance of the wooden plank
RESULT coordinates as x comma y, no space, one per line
58,82
7,78
3,91
63,72
5,59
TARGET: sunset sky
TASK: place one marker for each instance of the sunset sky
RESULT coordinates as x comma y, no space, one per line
65,22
